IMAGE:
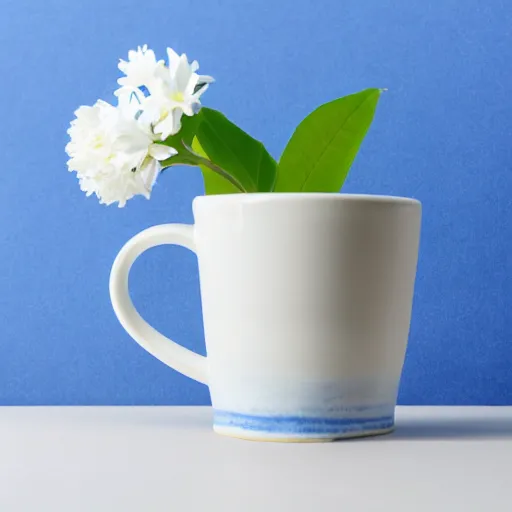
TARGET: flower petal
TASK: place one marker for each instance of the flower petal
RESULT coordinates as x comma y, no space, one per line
173,58
150,173
161,151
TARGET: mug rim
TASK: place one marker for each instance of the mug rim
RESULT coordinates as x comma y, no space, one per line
294,196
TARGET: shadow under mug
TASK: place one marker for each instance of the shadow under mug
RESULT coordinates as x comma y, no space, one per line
306,304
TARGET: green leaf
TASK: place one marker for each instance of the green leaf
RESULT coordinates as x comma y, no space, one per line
213,182
241,156
324,145
186,135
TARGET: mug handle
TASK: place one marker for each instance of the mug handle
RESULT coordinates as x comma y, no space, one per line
169,352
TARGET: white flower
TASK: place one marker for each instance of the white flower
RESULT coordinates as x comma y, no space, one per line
140,69
117,151
174,90
177,93
113,154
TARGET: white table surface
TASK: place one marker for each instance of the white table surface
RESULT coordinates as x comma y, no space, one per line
151,459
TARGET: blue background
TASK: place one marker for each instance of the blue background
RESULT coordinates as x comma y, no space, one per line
443,134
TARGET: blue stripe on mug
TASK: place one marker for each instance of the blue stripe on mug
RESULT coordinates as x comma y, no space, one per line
299,424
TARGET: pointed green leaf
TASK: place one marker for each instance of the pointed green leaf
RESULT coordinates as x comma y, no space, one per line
213,182
229,147
324,145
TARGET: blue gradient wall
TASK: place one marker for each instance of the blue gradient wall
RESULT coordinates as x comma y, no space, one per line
443,134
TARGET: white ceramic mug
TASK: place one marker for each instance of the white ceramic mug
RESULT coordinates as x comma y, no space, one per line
306,304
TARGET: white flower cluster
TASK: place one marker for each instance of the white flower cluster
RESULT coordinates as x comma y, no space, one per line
116,150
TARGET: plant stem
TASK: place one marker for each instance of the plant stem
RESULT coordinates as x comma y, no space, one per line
221,172
199,160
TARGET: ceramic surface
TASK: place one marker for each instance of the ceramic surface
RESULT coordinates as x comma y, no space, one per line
306,303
